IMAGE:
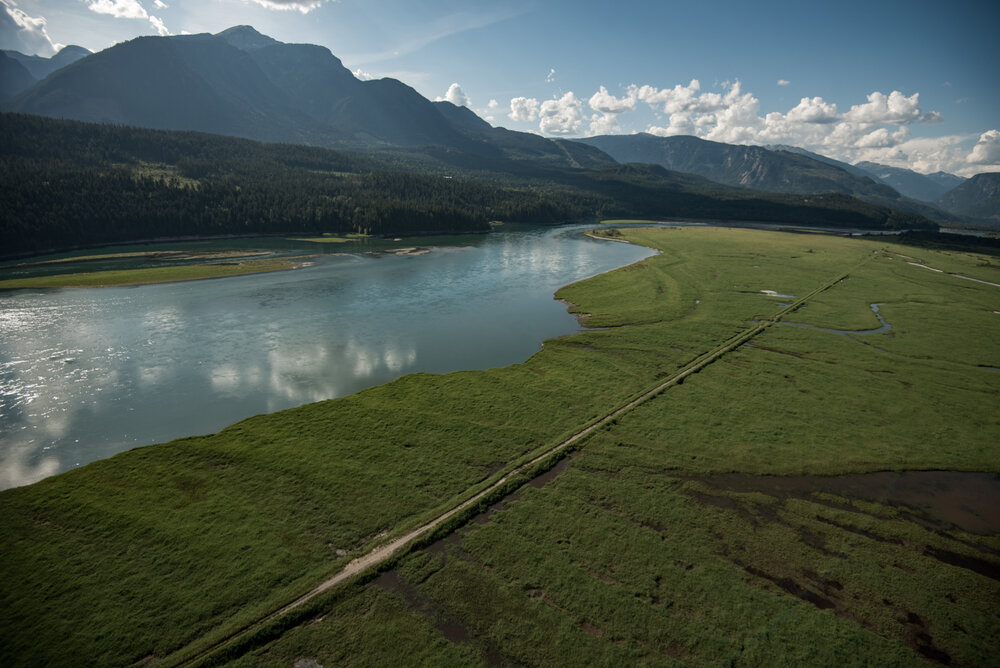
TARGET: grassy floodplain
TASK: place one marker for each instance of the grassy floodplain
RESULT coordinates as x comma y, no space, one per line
330,238
639,552
237,265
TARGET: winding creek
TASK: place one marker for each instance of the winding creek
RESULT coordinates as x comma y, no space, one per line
851,333
87,373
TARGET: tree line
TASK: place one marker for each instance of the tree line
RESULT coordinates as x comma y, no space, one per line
68,184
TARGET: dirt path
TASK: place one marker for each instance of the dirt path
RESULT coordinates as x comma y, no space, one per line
386,551
942,271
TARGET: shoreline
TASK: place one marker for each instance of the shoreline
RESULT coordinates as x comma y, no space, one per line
116,278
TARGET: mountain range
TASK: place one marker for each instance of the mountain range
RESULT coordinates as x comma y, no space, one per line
925,187
978,197
242,83
19,71
245,84
782,169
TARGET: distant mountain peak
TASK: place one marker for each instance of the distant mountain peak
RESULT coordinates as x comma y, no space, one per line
246,38
924,187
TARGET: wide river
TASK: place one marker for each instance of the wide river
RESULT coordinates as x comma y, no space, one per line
87,373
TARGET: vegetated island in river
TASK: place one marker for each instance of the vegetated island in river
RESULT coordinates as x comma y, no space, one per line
197,265
669,537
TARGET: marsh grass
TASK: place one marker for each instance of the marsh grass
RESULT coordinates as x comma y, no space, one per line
151,275
139,555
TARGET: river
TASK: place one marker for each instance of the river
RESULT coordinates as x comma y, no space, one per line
87,373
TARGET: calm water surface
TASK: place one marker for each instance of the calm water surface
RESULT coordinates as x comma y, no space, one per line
90,372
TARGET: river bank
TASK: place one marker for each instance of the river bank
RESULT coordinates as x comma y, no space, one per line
184,542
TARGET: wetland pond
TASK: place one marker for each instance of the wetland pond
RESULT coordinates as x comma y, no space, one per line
87,373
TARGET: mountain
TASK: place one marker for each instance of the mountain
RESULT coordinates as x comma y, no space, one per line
242,83
745,166
978,197
72,184
196,82
239,83
846,166
14,77
40,67
910,183
493,146
945,179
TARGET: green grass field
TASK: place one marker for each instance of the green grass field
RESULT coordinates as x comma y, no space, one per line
151,275
636,553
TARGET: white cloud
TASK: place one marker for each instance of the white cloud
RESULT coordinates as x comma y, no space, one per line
158,24
894,108
303,6
987,149
456,96
551,76
736,118
361,74
603,124
120,9
523,109
24,33
560,116
882,138
877,129
813,110
784,82
680,124
606,103
493,105
676,100
159,4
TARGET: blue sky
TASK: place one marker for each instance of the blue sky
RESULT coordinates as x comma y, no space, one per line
912,84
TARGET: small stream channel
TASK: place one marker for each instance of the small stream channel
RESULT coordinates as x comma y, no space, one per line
851,333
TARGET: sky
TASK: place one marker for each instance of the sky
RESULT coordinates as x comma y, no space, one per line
905,83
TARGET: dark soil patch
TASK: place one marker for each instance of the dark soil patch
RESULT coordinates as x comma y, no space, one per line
941,499
981,566
450,628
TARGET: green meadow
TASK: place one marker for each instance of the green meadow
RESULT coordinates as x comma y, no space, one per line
150,275
664,541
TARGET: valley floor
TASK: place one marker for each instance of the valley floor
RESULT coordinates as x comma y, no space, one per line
780,495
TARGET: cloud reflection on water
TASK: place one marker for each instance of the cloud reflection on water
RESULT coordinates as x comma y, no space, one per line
87,373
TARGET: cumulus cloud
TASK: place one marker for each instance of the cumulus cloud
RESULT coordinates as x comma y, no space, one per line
523,109
129,9
987,149
679,99
680,124
894,108
160,28
303,6
606,103
24,33
604,124
361,74
456,96
877,129
489,113
560,116
120,9
813,110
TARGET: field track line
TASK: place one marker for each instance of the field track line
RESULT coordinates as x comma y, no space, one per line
386,551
